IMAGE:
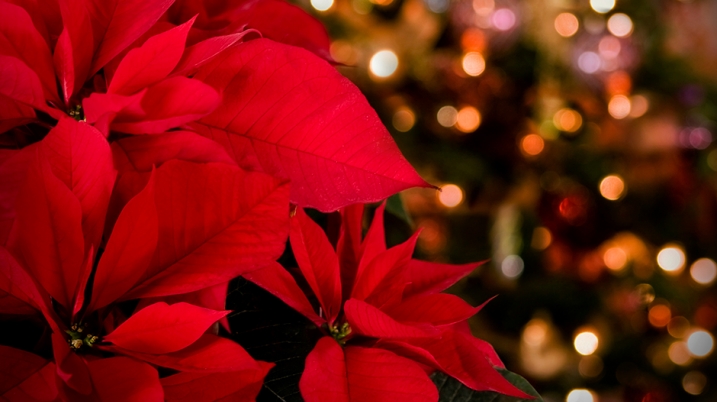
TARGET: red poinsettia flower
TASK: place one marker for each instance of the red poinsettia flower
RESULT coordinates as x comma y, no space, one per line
384,316
191,227
153,67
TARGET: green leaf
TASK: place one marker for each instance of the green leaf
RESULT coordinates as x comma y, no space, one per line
452,390
394,205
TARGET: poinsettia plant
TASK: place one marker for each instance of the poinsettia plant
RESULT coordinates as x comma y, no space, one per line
151,152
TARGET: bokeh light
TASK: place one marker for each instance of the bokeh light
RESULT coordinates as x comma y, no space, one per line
404,119
694,382
532,144
450,195
589,62
483,7
473,39
473,64
703,271
567,120
700,343
678,326
612,187
615,258
447,116
586,343
602,6
639,105
679,354
383,63
620,25
609,47
619,106
503,19
566,24
541,238
344,52
659,315
468,119
322,5
512,266
580,395
535,332
671,259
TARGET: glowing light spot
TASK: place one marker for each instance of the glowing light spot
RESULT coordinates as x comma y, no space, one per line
483,7
383,64
404,119
602,6
671,259
450,195
619,106
589,62
447,116
678,327
609,47
619,25
343,52
618,83
694,382
699,138
322,5
645,293
580,395
438,6
659,315
532,144
586,343
535,332
639,105
382,2
468,119
566,24
679,354
512,266
612,187
541,238
473,64
503,19
615,258
700,343
473,39
703,271
567,120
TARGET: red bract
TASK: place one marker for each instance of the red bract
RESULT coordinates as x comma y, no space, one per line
383,314
190,227
141,67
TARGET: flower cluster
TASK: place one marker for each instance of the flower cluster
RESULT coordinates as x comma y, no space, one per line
149,153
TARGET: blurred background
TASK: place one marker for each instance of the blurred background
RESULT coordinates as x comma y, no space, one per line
573,140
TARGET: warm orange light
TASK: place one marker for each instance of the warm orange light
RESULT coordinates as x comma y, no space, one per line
404,119
483,7
659,315
473,64
586,343
618,83
612,187
343,52
678,327
703,271
535,332
567,120
619,106
447,116
532,144
671,259
619,24
639,104
473,40
566,24
679,354
694,382
450,195
541,238
615,258
468,119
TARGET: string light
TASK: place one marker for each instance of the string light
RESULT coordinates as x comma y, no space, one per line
450,195
535,332
483,7
322,5
609,47
703,271
566,24
679,354
639,105
503,19
671,259
586,343
567,120
580,395
468,119
619,106
532,144
659,315
512,266
612,187
700,343
678,327
615,258
541,238
589,62
694,382
473,64
383,63
602,6
447,116
620,25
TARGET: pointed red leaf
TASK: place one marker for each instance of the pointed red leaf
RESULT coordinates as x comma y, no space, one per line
375,241
197,55
278,281
459,357
118,379
318,262
13,168
118,23
70,367
385,271
362,374
19,38
216,222
210,354
48,238
433,277
435,309
168,104
367,320
129,250
163,328
237,386
151,62
289,113
348,246
102,108
25,377
21,289
20,83
213,297
80,156
14,114
73,52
